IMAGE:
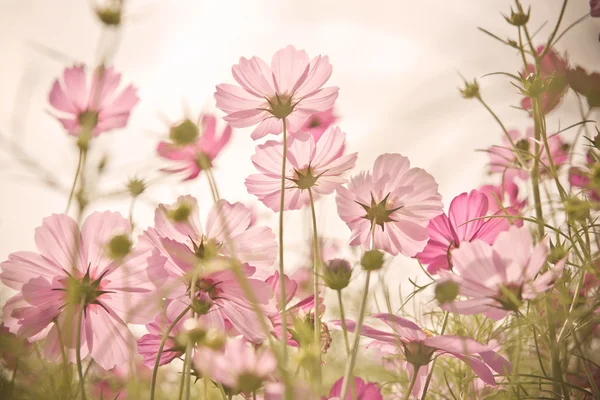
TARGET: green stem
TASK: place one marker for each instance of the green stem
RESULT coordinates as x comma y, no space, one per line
78,351
344,329
63,354
555,31
160,349
75,180
282,297
316,264
361,318
413,380
184,372
187,362
430,375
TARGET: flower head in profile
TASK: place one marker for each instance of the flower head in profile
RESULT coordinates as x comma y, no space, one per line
503,159
496,278
363,390
553,70
290,89
418,347
216,294
463,223
192,146
315,164
393,200
239,367
94,109
319,122
73,275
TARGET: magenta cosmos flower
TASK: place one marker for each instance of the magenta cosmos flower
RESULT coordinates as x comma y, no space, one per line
395,200
291,88
239,367
99,108
318,123
419,347
504,160
178,236
312,164
497,278
463,223
192,146
363,390
112,293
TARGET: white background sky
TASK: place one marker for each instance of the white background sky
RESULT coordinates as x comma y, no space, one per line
396,63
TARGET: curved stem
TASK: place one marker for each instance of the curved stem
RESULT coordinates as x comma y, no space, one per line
160,349
78,350
316,264
344,329
413,380
361,318
75,180
430,375
283,298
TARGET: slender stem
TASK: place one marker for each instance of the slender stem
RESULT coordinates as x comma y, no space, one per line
413,380
283,298
554,32
344,329
430,375
63,354
361,318
316,264
160,349
183,372
187,373
75,180
78,350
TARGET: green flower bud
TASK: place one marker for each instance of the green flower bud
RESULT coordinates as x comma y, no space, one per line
557,252
518,18
119,246
576,209
337,274
110,14
471,90
372,260
202,303
446,291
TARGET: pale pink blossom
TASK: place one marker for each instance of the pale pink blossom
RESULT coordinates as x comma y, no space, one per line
418,347
497,278
185,244
200,146
111,292
291,89
583,177
463,223
239,367
319,122
504,159
362,390
504,196
95,109
395,200
315,164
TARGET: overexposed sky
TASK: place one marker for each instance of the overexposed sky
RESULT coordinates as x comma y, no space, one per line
396,63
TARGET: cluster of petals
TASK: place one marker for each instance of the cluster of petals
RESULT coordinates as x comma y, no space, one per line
583,177
463,223
230,232
315,164
496,278
418,347
97,108
504,195
393,203
290,89
108,293
504,159
318,123
190,158
362,390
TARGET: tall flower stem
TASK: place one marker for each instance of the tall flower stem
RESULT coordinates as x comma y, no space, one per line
78,350
343,318
282,294
430,375
160,350
75,179
316,264
413,380
187,373
63,355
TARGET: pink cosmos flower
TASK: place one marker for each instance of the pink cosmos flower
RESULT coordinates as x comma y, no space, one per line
98,108
395,200
315,164
178,236
192,144
419,347
112,293
497,278
505,195
291,88
583,178
318,123
503,158
462,224
554,68
364,390
239,367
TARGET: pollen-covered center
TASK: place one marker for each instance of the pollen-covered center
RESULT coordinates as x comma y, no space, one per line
280,105
314,123
88,119
379,213
184,133
84,290
305,178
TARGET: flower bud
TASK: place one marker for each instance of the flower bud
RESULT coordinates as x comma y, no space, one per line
576,209
518,18
202,303
102,163
136,187
471,90
372,260
193,333
533,85
446,291
214,339
337,274
184,133
119,246
110,14
557,252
